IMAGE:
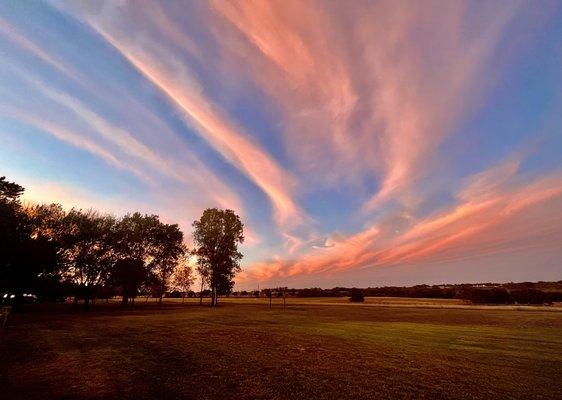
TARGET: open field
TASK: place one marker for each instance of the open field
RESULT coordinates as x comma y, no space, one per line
310,350
377,302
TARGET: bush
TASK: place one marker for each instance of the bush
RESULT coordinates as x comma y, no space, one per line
356,296
531,296
495,295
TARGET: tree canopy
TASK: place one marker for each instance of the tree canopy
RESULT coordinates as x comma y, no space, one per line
216,236
44,248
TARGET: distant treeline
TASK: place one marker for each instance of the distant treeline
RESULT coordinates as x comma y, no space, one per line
482,293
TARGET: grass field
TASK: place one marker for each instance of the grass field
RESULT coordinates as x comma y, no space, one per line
310,350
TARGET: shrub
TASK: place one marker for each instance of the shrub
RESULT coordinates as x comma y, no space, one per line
356,296
531,296
493,295
174,294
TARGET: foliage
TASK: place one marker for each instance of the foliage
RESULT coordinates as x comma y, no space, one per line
167,252
88,250
356,296
54,253
9,191
24,255
183,279
157,245
129,274
216,236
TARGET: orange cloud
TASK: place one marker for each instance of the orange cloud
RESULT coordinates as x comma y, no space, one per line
512,216
165,72
357,90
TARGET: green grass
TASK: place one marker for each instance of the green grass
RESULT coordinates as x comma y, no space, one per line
311,350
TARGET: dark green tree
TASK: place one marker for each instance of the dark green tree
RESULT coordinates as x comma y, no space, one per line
356,296
216,236
129,274
158,246
167,251
133,244
10,192
25,253
88,250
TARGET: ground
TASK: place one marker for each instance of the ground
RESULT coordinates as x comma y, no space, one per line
313,349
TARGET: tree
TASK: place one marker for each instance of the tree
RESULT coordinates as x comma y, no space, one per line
88,250
166,252
216,236
158,246
10,192
13,232
129,274
183,279
133,244
203,272
357,296
46,251
24,254
48,225
135,236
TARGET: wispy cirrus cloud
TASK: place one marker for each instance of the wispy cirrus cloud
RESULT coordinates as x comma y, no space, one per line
160,65
367,130
360,93
497,211
10,32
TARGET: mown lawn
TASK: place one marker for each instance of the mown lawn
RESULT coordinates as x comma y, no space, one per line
307,351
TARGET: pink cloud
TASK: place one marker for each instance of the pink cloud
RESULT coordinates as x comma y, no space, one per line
159,64
514,213
358,92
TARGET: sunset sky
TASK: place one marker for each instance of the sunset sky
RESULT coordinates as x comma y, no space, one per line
363,143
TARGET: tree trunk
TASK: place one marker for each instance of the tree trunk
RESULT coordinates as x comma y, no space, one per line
87,302
201,293
183,298
162,288
124,301
18,300
214,296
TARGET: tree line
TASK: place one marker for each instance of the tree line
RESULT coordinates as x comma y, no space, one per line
483,293
52,253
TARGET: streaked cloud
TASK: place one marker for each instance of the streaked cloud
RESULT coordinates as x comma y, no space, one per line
352,137
353,80
161,67
512,212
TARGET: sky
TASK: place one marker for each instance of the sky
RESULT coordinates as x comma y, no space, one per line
363,143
